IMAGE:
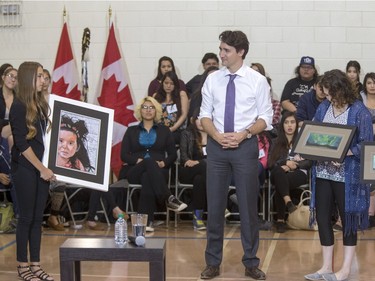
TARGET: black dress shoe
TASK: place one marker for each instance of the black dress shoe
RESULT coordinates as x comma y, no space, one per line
255,273
210,272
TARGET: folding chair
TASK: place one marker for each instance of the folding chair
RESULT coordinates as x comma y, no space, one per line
180,188
132,187
68,199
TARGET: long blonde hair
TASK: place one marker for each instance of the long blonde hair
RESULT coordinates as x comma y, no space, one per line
34,101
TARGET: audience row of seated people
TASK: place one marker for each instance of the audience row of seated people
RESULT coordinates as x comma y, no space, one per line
287,171
179,106
8,84
170,97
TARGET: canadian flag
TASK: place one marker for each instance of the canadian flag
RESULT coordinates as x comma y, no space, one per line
65,73
115,94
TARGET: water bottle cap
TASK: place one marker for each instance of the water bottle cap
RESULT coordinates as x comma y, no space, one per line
121,216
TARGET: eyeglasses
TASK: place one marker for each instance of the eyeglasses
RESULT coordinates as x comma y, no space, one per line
145,107
12,77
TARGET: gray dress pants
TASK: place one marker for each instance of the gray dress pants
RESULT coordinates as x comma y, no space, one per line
242,163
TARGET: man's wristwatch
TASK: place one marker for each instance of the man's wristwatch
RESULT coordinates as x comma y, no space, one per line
249,135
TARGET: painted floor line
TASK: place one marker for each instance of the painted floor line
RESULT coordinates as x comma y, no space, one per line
270,252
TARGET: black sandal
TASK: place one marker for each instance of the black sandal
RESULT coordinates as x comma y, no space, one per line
40,273
25,273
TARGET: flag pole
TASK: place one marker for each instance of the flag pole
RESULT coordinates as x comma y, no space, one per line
64,14
110,16
85,58
111,175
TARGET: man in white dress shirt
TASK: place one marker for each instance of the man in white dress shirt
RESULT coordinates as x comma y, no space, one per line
233,149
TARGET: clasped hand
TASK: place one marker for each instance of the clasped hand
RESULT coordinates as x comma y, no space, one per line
230,140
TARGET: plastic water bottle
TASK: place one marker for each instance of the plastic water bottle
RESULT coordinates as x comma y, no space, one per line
121,230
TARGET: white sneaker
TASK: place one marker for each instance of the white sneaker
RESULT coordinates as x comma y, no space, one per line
175,205
150,227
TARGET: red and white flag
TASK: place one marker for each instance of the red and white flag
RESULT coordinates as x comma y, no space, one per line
115,94
65,79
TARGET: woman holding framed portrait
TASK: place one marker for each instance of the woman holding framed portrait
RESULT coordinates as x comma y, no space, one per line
29,122
340,182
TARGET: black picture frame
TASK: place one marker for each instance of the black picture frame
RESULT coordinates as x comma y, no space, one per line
323,141
367,162
99,121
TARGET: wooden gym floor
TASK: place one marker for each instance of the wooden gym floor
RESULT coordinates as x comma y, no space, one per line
284,257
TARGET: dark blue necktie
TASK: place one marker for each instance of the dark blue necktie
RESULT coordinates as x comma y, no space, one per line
229,105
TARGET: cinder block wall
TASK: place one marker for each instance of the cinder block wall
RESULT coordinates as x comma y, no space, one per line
280,32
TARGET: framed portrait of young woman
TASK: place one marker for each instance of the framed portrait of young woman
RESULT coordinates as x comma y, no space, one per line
78,145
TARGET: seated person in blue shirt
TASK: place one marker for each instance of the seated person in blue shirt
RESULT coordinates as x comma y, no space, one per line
148,150
309,102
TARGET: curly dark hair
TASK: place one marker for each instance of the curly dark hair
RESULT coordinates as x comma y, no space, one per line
340,88
79,128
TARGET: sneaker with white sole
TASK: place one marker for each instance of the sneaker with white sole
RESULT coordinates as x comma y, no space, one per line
150,227
175,205
197,220
198,224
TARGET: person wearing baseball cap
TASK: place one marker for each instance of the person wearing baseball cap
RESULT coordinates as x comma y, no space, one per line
306,74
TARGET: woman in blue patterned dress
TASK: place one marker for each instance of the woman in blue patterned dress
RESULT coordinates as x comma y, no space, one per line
340,182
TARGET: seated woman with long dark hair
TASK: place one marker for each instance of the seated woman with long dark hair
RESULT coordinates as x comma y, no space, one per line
287,171
175,104
193,166
148,150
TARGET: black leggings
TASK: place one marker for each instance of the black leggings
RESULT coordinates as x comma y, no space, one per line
197,176
284,182
32,194
327,193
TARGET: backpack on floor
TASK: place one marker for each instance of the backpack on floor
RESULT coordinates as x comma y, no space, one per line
6,216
